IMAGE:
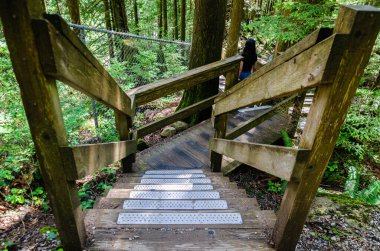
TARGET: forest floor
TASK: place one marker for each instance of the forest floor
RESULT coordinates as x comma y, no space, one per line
335,221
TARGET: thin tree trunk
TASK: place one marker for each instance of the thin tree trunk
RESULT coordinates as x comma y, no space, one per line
207,41
57,6
119,15
159,22
183,20
234,29
73,6
175,20
136,16
165,16
107,19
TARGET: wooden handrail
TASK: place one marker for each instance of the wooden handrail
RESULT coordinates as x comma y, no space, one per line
64,57
181,114
82,160
144,94
315,66
258,119
276,160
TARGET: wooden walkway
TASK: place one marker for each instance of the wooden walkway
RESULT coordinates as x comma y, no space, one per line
185,151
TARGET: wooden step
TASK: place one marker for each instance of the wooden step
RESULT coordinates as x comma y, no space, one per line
226,193
180,239
242,204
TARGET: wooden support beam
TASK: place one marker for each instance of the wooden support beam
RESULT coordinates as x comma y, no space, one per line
258,119
82,160
41,102
220,122
63,57
123,125
150,92
306,43
276,160
326,116
181,114
310,68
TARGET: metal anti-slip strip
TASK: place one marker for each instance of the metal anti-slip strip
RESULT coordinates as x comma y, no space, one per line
174,195
174,187
179,218
175,204
189,171
175,181
174,176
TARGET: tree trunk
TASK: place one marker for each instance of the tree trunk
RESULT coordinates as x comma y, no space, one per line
175,20
74,11
119,16
136,16
207,41
119,23
165,16
234,29
183,20
107,19
159,22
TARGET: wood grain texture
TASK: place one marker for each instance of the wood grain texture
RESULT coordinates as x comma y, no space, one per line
276,160
41,102
61,59
326,116
90,158
306,70
258,119
309,41
181,114
150,92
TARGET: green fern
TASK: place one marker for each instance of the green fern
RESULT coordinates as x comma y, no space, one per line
352,182
371,194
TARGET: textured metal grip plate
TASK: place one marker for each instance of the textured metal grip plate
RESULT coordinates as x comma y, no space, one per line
174,195
174,187
174,171
179,218
174,176
175,181
175,204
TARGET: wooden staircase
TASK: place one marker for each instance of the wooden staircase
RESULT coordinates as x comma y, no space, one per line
223,218
44,49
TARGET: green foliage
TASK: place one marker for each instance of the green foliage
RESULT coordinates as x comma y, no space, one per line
370,194
352,182
96,186
50,232
277,186
292,21
285,137
16,196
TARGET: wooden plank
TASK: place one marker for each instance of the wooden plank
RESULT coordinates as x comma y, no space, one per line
181,114
123,124
175,239
306,43
90,158
61,59
310,68
41,102
325,119
276,160
150,92
258,119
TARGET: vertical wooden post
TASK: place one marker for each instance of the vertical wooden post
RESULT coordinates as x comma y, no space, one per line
296,113
325,119
41,102
220,122
123,124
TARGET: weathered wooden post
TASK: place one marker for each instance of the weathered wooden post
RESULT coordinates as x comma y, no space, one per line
40,97
220,122
123,124
326,116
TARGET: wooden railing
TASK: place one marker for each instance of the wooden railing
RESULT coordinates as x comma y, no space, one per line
331,62
44,49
